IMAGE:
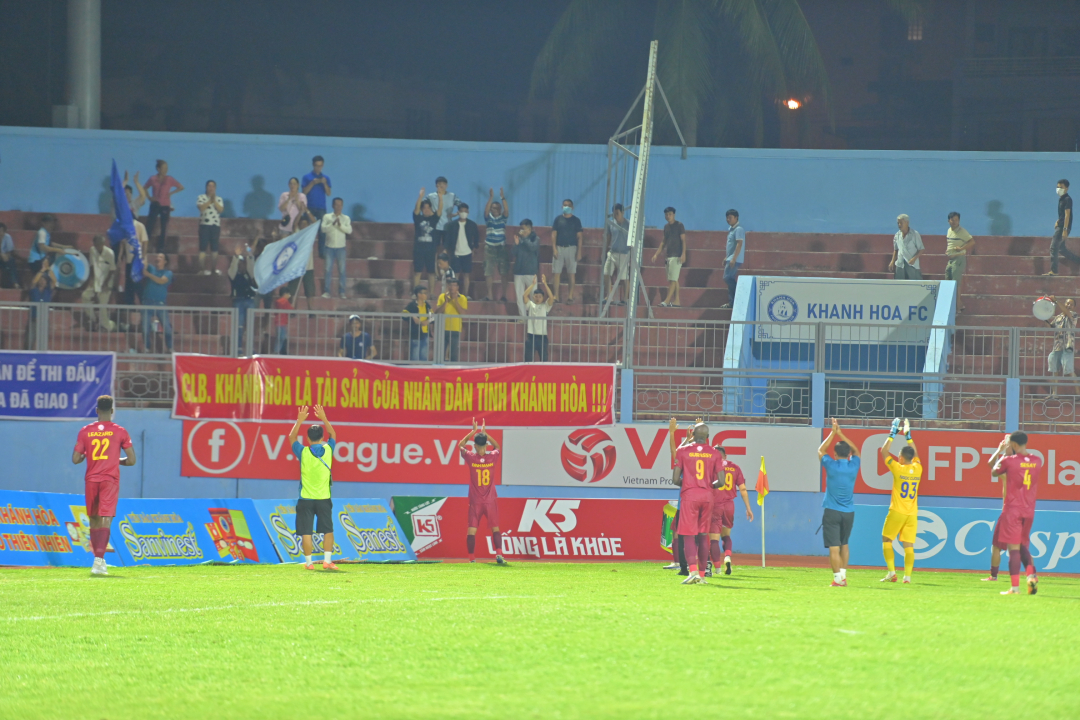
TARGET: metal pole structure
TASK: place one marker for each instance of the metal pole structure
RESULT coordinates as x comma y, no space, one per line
636,239
84,60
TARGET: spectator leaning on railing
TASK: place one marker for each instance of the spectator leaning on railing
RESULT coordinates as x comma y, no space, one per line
210,209
907,247
425,244
158,277
419,320
1062,354
162,187
958,243
245,295
526,261
337,226
452,304
9,275
356,343
496,257
536,309
99,288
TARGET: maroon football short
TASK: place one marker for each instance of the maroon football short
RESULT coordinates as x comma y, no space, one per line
483,508
694,516
101,497
1014,529
997,535
723,516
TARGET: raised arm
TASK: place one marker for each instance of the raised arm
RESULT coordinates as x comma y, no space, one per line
491,199
673,443
468,436
550,296
321,414
483,429
823,448
420,199
505,206
844,438
528,291
301,416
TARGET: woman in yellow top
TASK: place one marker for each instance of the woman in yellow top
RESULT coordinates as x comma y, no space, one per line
903,517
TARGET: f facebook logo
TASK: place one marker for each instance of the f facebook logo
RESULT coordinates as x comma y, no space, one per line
217,439
213,447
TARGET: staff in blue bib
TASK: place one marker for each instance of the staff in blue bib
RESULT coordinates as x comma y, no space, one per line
316,459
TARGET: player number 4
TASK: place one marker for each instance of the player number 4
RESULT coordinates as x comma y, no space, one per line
1027,479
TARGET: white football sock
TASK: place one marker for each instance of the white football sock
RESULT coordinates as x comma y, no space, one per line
843,573
326,556
307,559
837,576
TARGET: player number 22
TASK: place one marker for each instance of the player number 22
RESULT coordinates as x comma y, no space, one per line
101,449
483,477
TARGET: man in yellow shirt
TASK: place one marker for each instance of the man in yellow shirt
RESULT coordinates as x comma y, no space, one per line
903,517
453,304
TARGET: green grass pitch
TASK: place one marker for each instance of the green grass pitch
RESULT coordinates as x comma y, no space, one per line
533,640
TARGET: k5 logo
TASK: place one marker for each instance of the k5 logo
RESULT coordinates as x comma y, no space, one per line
425,525
537,511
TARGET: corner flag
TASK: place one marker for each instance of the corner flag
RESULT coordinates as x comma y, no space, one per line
762,486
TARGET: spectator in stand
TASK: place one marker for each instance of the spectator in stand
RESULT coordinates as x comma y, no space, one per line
245,295
907,247
425,220
419,320
292,205
9,275
536,309
1062,228
210,209
138,202
617,230
526,261
1062,356
302,221
43,244
674,247
452,303
566,246
281,320
356,343
734,255
43,284
444,273
102,278
336,227
125,285
463,236
496,257
162,187
316,190
155,293
449,203
958,242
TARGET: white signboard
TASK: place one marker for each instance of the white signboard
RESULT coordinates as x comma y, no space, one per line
637,456
904,307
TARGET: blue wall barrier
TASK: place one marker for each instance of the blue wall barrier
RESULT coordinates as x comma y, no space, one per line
827,191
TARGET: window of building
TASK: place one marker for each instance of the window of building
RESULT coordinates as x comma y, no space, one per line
915,29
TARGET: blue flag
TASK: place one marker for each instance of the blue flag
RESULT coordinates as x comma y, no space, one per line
123,227
285,260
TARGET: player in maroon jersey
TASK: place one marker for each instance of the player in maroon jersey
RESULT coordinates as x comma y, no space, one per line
99,443
1022,471
996,546
696,467
723,511
482,499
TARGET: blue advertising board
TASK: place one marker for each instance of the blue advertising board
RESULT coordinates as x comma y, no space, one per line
190,532
53,385
959,538
46,529
364,529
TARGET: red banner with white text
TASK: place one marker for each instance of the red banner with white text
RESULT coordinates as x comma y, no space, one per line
354,391
222,448
955,463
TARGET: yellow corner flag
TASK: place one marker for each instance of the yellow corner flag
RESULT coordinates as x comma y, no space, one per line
762,486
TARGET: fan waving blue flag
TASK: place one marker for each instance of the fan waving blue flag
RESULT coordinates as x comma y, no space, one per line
123,227
285,260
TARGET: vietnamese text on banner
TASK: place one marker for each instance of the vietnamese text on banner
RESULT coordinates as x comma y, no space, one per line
53,385
271,388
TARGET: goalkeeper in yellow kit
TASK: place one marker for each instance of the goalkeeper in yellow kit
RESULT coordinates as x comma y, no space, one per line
903,517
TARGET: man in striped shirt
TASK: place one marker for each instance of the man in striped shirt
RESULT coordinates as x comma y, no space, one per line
496,257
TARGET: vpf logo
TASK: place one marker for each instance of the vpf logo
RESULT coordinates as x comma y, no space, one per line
588,455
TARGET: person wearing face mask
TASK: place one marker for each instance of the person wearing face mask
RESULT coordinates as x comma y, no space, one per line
463,236
1062,229
565,247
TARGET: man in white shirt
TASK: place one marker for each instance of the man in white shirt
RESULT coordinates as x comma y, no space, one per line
907,247
536,310
337,227
103,272
449,205
461,236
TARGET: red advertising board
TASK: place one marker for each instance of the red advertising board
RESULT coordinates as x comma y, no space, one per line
220,448
354,391
955,463
544,529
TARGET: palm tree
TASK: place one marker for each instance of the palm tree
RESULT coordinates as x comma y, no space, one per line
721,63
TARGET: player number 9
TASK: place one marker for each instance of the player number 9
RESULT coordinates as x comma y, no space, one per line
700,468
729,478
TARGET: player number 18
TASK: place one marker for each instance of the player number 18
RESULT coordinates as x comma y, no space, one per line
483,477
101,449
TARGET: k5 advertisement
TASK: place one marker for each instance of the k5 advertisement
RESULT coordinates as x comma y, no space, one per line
46,529
541,529
959,539
364,529
955,463
218,448
189,532
637,456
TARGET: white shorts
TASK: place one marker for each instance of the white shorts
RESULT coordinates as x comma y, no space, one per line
567,258
674,267
617,261
1061,361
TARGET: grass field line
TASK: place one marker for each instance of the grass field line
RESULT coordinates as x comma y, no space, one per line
255,606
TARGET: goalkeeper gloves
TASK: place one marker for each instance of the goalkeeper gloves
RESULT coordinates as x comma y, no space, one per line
895,428
907,429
